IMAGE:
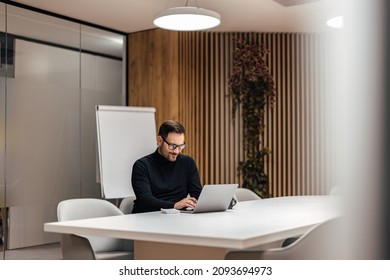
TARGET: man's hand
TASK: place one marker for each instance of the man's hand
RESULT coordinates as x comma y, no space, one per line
185,203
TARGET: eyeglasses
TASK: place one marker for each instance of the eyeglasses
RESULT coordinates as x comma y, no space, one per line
174,146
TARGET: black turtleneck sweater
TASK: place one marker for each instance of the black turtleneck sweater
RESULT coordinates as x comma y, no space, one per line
159,183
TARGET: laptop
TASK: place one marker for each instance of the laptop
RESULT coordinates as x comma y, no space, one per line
214,198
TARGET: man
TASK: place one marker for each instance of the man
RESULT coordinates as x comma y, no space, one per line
166,178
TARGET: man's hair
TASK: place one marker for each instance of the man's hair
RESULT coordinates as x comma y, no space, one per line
170,126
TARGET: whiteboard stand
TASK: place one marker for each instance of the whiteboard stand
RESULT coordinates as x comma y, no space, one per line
124,134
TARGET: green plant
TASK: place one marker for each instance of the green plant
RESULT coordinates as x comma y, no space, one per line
252,87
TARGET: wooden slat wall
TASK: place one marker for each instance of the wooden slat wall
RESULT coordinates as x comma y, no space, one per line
297,126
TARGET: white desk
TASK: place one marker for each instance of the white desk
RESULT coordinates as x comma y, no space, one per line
208,235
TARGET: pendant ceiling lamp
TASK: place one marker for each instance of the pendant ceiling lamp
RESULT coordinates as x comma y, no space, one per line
187,19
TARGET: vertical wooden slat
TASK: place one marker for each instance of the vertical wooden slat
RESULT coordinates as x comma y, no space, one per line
274,159
234,134
301,112
294,190
226,106
280,107
199,104
286,114
305,119
212,107
197,144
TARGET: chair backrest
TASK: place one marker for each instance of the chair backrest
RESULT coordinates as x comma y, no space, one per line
84,208
75,247
243,194
127,204
320,242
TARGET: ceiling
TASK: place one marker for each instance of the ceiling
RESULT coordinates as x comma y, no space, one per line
237,15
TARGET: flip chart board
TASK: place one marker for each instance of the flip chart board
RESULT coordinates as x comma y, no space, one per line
124,134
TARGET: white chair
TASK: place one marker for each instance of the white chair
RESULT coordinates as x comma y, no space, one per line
126,205
322,242
243,194
75,247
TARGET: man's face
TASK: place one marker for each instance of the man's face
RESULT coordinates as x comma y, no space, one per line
173,140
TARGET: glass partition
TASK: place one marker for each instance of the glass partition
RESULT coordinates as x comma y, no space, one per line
60,70
101,83
43,130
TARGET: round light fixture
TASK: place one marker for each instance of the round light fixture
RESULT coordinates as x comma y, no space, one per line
336,22
187,19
